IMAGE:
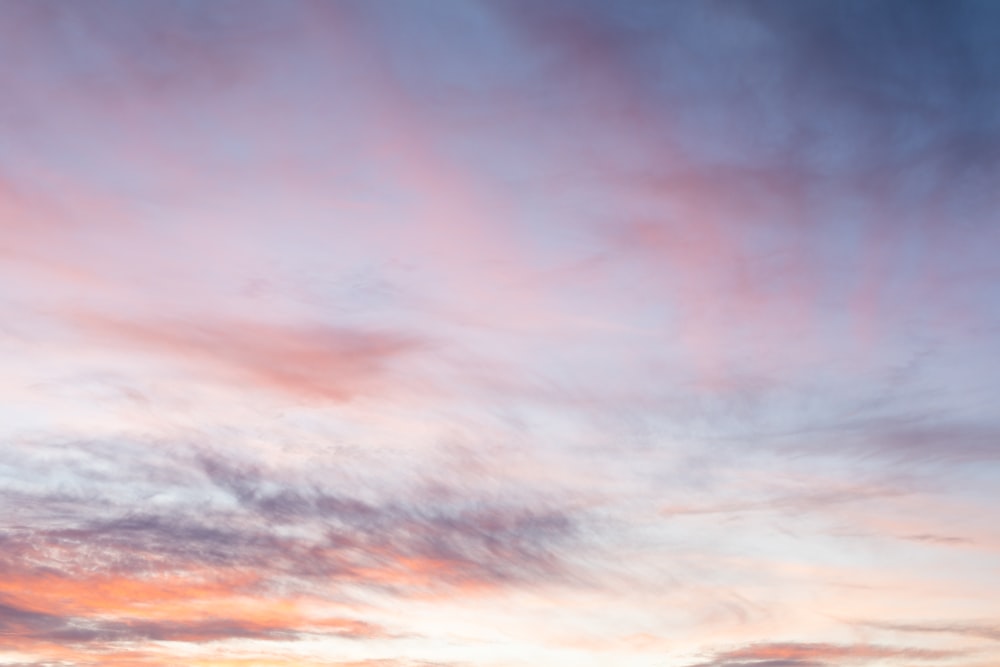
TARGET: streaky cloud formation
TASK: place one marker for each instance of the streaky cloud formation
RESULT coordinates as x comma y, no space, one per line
970,629
496,333
808,654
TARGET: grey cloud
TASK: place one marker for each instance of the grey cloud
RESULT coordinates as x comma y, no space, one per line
968,629
286,528
937,539
814,654
764,663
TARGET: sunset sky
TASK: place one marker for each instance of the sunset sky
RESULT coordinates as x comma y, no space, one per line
510,333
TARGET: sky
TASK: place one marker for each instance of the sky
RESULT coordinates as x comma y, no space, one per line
460,333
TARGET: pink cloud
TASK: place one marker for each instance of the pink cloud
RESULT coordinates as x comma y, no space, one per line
315,363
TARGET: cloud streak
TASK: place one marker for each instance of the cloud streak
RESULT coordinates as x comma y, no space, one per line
794,654
321,363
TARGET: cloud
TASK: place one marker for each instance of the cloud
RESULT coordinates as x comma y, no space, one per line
895,432
245,528
33,626
805,500
199,545
805,654
967,629
940,441
322,363
937,539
